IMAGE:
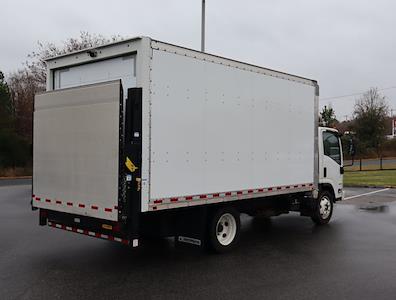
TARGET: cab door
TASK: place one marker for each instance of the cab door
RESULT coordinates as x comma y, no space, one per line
331,162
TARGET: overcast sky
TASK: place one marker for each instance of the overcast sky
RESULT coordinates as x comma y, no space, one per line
348,46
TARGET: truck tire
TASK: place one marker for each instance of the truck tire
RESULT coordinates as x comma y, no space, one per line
323,208
224,230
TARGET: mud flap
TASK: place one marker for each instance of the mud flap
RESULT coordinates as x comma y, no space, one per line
192,228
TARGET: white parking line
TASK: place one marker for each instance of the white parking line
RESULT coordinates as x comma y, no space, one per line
365,194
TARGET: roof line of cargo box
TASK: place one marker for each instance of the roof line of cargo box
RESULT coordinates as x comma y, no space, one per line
314,82
311,81
94,48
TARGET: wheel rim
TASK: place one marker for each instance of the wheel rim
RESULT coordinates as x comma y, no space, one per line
226,229
325,207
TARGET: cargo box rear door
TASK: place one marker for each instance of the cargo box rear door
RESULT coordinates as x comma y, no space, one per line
76,144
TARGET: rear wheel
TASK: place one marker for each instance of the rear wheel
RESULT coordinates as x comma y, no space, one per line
224,229
323,208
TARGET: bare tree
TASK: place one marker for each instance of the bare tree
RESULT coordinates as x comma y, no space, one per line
23,86
36,65
25,83
370,113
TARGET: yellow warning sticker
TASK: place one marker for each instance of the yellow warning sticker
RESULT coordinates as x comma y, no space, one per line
107,226
129,164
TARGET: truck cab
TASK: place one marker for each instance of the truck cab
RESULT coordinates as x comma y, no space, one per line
331,165
331,170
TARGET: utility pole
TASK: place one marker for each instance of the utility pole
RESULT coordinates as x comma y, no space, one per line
203,27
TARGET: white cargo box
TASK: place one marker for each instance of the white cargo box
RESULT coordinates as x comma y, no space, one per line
212,129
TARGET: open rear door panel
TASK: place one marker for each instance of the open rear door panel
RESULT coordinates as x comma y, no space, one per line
76,150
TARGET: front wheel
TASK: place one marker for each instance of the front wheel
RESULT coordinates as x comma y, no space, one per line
224,228
323,208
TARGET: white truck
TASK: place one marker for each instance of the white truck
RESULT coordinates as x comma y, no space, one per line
144,138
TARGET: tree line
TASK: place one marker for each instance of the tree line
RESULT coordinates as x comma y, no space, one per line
368,128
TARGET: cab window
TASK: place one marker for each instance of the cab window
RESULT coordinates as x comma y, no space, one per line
331,146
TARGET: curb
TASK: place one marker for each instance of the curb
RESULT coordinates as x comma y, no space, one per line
15,178
372,186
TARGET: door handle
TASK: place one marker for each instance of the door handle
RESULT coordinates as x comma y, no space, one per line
342,170
325,172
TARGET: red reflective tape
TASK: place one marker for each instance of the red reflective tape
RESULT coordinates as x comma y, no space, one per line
239,193
47,200
58,202
288,187
74,229
69,203
125,242
97,234
296,186
108,209
157,201
250,191
173,199
154,207
110,238
85,232
228,193
189,197
279,188
81,205
270,189
63,226
311,184
38,198
33,196
94,207
261,190
216,195
202,196
115,207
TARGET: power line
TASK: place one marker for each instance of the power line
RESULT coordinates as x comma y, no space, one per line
355,94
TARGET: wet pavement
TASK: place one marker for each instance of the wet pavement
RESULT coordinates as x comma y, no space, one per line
354,257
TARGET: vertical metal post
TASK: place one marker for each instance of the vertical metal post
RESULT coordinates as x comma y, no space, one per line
203,27
381,163
360,164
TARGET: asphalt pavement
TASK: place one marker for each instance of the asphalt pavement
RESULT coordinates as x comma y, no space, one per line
353,257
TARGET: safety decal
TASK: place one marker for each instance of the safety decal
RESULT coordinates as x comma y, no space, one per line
129,164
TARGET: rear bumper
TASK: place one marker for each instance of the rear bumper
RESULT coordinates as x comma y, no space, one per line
99,228
89,233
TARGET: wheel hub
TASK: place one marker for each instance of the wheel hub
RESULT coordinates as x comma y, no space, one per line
226,229
325,207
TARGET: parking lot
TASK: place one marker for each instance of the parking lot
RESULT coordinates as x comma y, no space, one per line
288,257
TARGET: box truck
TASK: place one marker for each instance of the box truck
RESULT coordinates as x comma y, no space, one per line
144,138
